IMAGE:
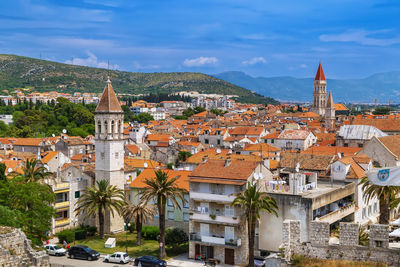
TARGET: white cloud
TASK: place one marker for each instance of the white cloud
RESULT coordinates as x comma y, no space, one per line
360,36
255,60
200,61
91,61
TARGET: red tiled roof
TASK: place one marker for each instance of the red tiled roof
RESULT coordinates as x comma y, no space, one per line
182,181
108,101
320,76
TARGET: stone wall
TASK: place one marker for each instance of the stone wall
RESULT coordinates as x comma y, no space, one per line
16,250
348,247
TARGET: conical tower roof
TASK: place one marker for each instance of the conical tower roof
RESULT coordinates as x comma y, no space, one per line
330,103
109,101
320,76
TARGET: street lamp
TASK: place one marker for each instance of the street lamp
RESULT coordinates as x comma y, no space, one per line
74,221
127,225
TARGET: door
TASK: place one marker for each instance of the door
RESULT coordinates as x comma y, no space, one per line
229,211
229,256
112,258
197,249
117,258
210,252
229,234
204,229
204,188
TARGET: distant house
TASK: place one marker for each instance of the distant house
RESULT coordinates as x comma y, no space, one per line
384,151
356,135
32,145
72,145
295,140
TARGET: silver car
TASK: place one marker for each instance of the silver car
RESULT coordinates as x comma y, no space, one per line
55,250
117,257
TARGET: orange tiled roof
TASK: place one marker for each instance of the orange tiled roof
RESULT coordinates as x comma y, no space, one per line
28,141
108,101
49,155
134,149
216,169
392,142
332,150
340,107
158,137
224,153
182,181
261,147
139,163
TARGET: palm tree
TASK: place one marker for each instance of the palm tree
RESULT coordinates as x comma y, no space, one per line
160,189
141,213
252,201
32,172
99,199
387,196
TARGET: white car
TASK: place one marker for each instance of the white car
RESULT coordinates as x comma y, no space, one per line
117,257
55,250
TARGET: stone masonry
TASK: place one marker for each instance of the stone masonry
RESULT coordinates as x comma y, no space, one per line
348,248
16,250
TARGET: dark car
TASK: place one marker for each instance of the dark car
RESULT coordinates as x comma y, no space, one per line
83,252
149,261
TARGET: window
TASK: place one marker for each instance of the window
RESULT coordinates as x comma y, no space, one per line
77,194
170,203
364,213
369,210
206,141
378,243
360,145
346,145
102,155
218,142
375,207
272,141
186,204
185,216
170,215
116,155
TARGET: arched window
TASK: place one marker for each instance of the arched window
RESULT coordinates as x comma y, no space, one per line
119,126
99,127
106,126
112,127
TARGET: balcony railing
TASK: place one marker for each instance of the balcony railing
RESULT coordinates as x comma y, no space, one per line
217,240
61,186
338,214
212,218
208,197
61,222
60,205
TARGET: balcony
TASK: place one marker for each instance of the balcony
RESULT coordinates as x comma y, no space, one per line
215,240
61,186
208,197
218,219
61,222
338,214
60,205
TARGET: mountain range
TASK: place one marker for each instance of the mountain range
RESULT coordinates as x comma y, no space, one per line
383,86
44,75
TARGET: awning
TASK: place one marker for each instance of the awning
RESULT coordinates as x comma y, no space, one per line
395,233
396,222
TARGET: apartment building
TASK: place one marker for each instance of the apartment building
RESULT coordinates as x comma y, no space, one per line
218,230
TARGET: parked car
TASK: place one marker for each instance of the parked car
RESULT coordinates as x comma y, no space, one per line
55,250
118,257
83,252
149,261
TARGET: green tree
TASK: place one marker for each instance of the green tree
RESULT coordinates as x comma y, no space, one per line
199,109
387,196
184,155
141,213
381,111
32,172
160,189
143,117
3,176
99,199
253,201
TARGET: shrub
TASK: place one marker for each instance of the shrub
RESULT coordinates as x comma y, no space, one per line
66,235
132,227
175,236
90,230
150,232
80,234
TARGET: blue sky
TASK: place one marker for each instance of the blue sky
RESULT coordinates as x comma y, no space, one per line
262,38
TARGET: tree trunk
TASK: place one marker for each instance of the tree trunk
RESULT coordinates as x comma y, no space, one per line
161,212
139,231
101,224
252,229
384,211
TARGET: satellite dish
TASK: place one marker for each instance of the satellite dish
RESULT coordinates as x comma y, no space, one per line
140,148
256,176
339,155
218,151
261,175
230,151
230,146
10,170
297,167
53,135
64,131
145,165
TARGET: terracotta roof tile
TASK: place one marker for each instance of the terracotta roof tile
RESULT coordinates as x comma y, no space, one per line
181,182
392,142
108,101
306,161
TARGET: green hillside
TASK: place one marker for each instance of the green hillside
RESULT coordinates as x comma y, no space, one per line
42,75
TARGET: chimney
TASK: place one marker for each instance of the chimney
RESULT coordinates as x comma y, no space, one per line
228,162
205,158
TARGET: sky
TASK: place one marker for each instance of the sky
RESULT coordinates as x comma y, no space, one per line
352,39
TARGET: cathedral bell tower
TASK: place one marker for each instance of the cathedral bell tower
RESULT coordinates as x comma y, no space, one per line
330,116
109,143
319,94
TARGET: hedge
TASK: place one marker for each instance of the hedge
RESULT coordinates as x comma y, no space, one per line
150,232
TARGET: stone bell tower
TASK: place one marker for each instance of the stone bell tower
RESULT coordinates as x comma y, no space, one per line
109,143
319,94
